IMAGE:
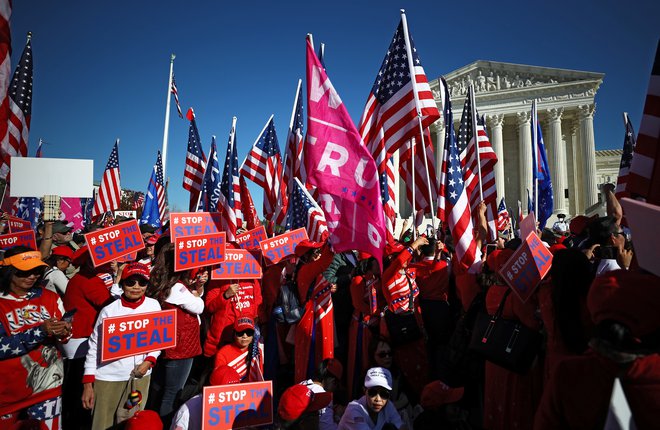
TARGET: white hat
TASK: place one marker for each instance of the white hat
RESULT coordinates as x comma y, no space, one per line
378,377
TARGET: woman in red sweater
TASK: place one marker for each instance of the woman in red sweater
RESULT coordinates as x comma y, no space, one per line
243,355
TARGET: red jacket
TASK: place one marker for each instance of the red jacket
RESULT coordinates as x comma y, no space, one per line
432,279
87,293
397,286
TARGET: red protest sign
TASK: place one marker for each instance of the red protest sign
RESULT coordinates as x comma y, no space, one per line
129,335
280,247
114,242
23,238
236,406
199,251
250,239
17,225
527,266
183,224
239,264
528,225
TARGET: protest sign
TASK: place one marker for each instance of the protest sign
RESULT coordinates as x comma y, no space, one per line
72,212
129,335
527,266
126,214
227,407
280,247
641,216
239,264
250,239
527,225
37,177
113,242
22,238
17,225
199,251
183,224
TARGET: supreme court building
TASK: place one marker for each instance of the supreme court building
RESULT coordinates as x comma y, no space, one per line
566,107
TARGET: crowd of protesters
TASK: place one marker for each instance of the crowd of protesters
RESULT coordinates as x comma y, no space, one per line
348,345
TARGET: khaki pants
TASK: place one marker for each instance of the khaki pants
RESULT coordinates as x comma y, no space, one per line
109,396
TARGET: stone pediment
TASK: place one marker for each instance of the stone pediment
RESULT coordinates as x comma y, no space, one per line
495,78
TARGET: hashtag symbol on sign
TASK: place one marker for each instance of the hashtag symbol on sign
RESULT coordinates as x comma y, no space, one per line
92,241
111,328
211,398
180,245
176,220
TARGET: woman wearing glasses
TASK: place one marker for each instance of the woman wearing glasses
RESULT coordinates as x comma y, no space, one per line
59,261
373,411
243,355
108,384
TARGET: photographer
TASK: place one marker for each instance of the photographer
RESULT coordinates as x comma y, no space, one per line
613,249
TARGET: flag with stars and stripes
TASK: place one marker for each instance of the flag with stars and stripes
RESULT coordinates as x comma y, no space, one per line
417,177
193,175
175,92
503,219
468,141
305,212
263,166
388,195
138,200
209,200
229,197
293,164
454,199
108,196
626,159
5,67
19,96
250,216
29,208
390,116
153,212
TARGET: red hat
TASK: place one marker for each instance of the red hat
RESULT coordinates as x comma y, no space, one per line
135,269
437,393
80,256
144,420
306,245
300,399
244,323
556,247
62,251
579,223
224,375
151,240
498,258
491,260
335,368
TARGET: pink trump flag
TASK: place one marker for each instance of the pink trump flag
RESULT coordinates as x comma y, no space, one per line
341,167
72,212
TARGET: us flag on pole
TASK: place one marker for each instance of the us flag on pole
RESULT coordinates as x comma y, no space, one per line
503,219
293,165
193,175
5,71
175,92
418,177
626,159
644,176
304,212
108,197
250,217
388,196
229,201
390,116
153,212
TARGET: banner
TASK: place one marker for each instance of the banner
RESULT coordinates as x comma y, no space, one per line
527,266
113,242
279,247
239,264
17,225
126,214
528,225
72,212
22,238
184,224
226,407
250,239
199,251
129,335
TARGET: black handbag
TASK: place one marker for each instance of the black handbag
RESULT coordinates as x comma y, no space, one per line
507,343
403,327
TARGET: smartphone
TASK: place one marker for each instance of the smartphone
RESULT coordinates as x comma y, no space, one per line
490,248
68,315
429,230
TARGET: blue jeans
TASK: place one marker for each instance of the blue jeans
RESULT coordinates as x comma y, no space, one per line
176,373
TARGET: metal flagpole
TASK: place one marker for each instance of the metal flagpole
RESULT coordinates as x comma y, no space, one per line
475,133
625,119
535,154
167,116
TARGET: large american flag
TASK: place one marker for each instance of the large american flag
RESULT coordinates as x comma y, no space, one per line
108,197
293,163
626,159
229,199
304,212
153,212
644,176
263,166
390,116
388,195
454,198
193,175
503,219
5,73
175,92
487,159
19,98
29,208
417,178
211,183
250,216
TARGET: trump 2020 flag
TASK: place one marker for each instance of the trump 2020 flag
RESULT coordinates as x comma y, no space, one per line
541,173
341,167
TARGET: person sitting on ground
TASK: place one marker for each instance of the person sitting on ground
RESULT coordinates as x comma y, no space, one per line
299,406
327,379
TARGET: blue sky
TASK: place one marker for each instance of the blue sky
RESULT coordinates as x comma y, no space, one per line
101,68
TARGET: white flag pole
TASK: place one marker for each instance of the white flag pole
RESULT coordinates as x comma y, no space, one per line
167,115
625,119
535,154
475,132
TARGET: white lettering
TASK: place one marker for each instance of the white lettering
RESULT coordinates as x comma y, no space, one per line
318,90
359,175
334,163
374,235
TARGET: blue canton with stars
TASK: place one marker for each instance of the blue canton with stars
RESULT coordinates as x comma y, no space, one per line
194,145
230,170
454,172
208,202
299,206
465,132
268,140
20,88
113,161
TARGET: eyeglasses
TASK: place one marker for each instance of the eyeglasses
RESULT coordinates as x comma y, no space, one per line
384,354
66,259
131,282
38,271
248,332
373,392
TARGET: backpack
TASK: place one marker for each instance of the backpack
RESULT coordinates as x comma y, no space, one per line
287,307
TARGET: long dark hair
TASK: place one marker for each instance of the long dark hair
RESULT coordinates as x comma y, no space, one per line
163,277
8,272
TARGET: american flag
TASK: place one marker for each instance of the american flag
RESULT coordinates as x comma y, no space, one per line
211,183
644,176
29,208
263,166
138,200
250,217
5,70
423,203
229,198
153,212
469,163
503,219
109,193
193,175
304,212
293,164
390,116
174,91
626,159
15,141
454,198
388,195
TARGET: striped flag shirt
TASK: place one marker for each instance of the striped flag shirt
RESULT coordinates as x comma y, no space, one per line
193,175
305,212
229,197
626,159
390,115
109,193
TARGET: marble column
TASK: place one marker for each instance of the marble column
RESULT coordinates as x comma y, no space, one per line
558,171
495,122
525,156
578,172
574,191
440,144
586,116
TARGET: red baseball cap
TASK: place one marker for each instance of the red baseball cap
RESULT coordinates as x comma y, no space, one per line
80,256
144,420
437,393
224,375
300,399
244,323
135,269
62,251
306,245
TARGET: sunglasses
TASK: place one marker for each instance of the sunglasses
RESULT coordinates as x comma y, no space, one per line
384,354
27,273
248,332
132,282
373,392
